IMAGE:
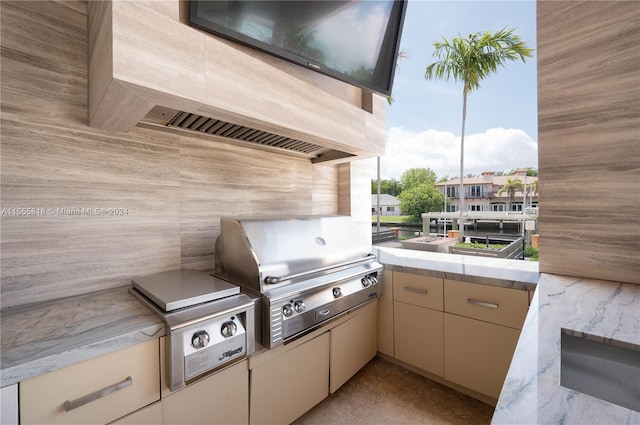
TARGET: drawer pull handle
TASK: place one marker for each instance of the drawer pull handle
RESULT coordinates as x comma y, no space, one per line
481,303
81,401
415,290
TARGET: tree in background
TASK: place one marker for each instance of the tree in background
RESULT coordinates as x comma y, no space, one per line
471,60
531,172
423,197
419,193
415,176
392,187
511,187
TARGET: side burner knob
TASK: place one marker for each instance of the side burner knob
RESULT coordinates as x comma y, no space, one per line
287,310
200,339
228,329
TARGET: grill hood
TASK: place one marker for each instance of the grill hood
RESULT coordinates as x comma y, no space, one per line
265,253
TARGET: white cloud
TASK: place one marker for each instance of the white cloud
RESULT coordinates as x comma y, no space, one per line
497,149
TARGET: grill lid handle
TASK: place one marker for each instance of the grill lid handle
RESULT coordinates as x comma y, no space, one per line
274,279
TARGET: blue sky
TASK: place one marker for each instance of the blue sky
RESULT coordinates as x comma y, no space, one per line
424,121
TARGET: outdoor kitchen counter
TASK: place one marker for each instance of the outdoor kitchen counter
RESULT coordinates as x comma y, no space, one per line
516,274
43,337
532,393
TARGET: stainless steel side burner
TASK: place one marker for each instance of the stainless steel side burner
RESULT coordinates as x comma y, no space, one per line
209,324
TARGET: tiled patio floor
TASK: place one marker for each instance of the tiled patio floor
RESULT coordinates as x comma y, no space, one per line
384,393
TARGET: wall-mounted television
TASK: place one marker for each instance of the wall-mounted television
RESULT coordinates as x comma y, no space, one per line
354,41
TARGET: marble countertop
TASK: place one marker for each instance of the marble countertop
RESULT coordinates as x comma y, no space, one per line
532,393
43,337
516,274
47,336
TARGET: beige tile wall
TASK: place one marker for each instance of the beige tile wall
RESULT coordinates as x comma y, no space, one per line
589,138
169,191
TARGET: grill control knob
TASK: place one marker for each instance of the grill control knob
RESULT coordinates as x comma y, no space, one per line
337,293
366,281
299,306
287,310
228,329
200,339
373,279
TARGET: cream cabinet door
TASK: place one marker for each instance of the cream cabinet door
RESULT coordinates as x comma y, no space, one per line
222,398
284,388
353,344
385,315
419,336
96,391
478,354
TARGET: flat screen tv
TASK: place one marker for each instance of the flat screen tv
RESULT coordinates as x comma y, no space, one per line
354,41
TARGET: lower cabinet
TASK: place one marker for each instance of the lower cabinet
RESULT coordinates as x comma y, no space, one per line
353,344
222,398
96,391
289,380
285,387
385,315
481,329
463,332
419,337
417,321
478,353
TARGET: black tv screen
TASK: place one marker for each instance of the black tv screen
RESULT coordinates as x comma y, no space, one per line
354,41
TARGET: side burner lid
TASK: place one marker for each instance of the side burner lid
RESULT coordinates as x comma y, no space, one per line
178,289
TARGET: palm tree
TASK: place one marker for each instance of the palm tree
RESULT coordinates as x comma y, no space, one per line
471,60
511,187
533,187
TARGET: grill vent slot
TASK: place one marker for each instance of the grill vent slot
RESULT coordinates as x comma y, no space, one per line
188,121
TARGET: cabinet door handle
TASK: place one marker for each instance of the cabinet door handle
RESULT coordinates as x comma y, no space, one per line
415,290
481,303
81,401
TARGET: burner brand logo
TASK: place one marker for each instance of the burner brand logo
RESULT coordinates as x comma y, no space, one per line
230,353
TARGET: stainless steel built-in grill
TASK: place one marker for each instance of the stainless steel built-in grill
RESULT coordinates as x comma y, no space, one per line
209,324
306,270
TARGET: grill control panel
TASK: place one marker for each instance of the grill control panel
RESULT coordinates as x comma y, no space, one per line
212,344
303,311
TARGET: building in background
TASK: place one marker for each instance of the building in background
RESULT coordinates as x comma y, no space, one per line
389,204
485,193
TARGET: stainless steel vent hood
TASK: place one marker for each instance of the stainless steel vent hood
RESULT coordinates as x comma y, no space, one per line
216,129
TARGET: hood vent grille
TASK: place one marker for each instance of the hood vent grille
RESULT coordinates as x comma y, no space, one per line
184,123
216,127
168,119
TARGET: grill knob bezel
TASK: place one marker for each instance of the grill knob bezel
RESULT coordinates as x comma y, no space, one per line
299,306
200,339
337,292
228,329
